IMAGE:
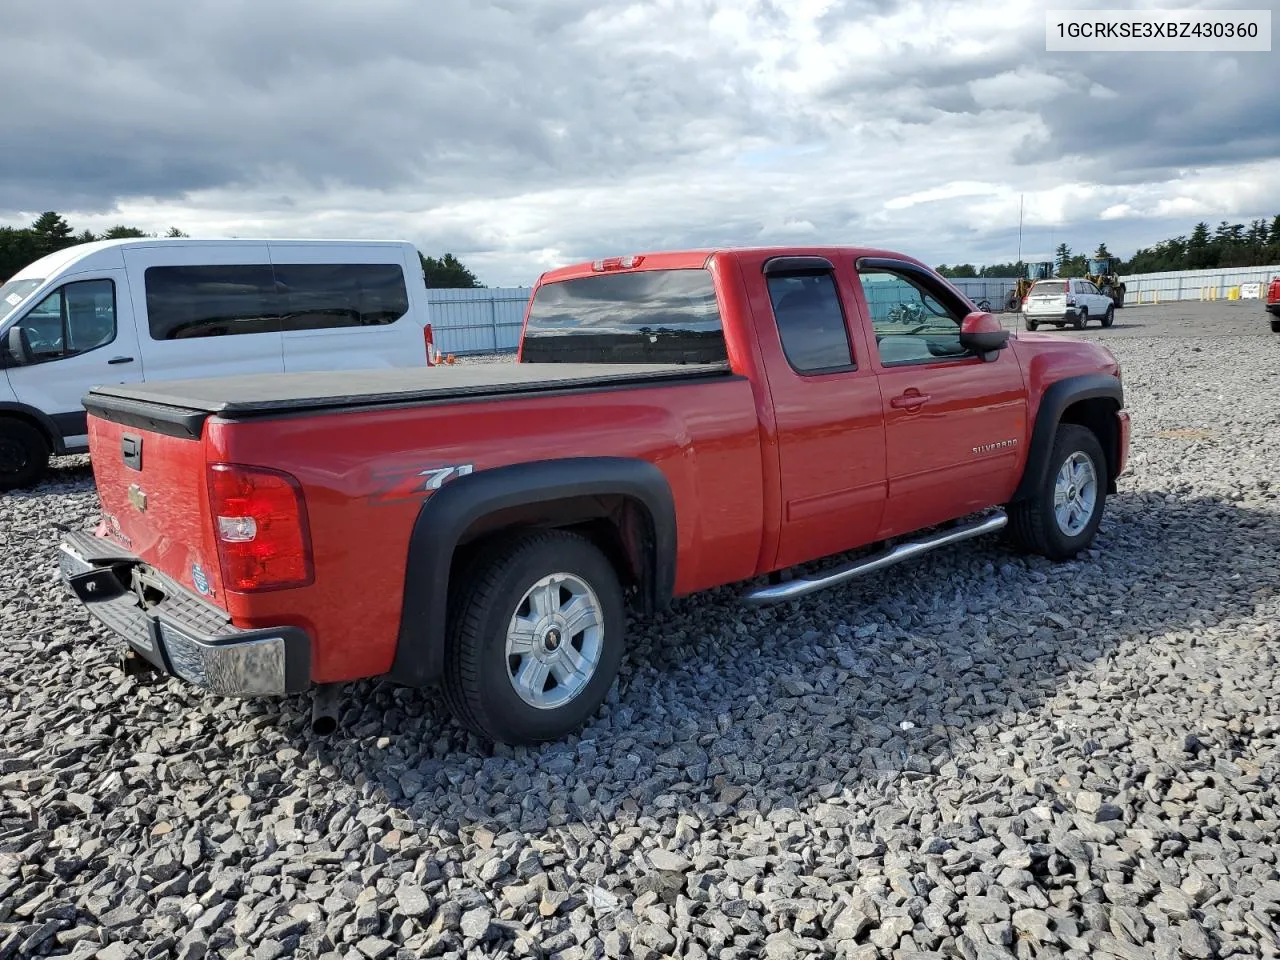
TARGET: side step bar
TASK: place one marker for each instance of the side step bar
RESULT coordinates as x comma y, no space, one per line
802,586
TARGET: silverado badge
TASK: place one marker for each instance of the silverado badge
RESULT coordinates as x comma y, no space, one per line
992,447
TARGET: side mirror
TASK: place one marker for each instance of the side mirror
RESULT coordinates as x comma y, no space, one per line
981,333
17,351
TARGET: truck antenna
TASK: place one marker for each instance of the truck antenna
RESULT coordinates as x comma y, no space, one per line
1020,198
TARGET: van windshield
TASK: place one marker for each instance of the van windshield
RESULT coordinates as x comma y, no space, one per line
651,316
14,292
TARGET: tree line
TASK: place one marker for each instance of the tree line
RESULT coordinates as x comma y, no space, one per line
1228,245
49,233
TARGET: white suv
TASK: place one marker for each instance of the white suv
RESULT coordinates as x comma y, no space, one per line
1063,302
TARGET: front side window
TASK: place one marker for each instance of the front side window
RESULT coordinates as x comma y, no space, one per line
811,325
912,323
74,319
211,301
648,316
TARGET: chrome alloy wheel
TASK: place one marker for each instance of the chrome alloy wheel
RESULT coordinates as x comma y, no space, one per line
554,641
1075,494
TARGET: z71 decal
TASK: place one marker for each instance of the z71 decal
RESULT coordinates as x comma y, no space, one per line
395,486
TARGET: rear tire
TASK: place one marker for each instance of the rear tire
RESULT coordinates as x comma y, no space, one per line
1082,318
1061,518
1275,326
514,672
1029,323
1109,317
24,454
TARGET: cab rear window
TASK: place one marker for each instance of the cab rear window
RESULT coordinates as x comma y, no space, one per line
651,316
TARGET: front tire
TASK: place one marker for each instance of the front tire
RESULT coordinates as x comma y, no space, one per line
24,454
1061,518
535,638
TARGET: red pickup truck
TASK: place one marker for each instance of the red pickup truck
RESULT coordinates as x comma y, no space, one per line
675,422
1273,303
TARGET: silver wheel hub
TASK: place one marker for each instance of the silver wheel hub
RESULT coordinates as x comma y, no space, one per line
1075,494
554,641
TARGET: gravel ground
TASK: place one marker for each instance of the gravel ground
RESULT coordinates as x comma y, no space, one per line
976,755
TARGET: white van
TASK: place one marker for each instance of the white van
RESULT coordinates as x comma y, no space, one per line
127,311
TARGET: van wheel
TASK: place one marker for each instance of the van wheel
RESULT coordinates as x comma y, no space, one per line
535,638
24,454
1061,518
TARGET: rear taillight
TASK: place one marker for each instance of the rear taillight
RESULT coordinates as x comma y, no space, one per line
260,522
1025,301
430,341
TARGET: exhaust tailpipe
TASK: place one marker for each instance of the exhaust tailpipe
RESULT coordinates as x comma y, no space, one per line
324,709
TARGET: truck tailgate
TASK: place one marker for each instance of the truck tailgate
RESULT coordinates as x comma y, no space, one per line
154,500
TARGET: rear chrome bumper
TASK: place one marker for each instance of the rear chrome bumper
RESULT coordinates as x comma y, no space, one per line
178,632
1052,316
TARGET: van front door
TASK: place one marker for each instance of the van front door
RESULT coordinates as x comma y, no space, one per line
78,336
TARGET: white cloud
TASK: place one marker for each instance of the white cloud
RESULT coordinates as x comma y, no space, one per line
522,136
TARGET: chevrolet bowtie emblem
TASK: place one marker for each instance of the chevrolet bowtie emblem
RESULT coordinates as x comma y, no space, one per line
137,497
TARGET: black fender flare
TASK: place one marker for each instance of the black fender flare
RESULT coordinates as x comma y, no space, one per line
1057,398
42,420
447,514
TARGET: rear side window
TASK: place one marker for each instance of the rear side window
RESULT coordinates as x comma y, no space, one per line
226,300
652,316
204,301
317,296
806,307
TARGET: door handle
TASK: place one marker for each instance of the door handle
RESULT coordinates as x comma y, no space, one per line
910,400
115,360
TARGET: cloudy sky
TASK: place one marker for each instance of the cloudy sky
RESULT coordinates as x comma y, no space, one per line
524,134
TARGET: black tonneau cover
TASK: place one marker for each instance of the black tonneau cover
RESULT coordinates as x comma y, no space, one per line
185,404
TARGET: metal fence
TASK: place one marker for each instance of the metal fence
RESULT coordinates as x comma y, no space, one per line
477,321
1223,283
489,320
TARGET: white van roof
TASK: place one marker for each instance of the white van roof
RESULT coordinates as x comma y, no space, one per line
109,253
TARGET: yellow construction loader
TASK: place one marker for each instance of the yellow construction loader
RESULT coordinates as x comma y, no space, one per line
1035,271
1102,274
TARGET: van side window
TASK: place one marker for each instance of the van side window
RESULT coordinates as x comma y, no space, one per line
316,296
811,325
210,301
74,319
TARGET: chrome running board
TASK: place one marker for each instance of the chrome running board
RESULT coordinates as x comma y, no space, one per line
800,586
